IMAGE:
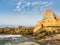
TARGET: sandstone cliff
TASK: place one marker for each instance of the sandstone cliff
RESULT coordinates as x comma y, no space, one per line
50,22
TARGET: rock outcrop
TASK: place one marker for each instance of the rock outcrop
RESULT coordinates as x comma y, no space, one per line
49,23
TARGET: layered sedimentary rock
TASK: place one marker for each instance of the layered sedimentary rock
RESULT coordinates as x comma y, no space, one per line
50,22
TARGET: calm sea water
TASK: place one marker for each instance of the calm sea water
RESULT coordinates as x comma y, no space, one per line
1,26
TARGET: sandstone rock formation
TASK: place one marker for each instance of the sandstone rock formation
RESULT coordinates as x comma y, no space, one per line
49,23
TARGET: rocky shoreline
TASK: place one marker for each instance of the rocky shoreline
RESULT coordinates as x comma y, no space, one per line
21,40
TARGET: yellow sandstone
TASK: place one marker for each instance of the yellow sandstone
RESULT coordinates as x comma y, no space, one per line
50,22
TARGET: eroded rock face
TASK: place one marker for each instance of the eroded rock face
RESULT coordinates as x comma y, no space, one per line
50,22
17,40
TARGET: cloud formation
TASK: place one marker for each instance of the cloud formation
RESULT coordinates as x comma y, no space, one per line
28,6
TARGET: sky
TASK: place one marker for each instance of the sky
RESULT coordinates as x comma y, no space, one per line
25,12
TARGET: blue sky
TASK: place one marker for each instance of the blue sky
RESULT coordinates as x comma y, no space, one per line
25,12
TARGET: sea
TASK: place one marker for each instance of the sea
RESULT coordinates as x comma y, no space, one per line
2,26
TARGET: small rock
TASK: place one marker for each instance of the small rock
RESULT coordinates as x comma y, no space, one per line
31,43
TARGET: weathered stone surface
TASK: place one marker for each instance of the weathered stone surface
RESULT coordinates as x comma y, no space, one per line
17,40
50,22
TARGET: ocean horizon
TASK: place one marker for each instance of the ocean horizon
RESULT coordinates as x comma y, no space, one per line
1,26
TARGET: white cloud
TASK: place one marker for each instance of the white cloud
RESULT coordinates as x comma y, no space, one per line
17,7
19,3
28,4
45,4
42,4
35,3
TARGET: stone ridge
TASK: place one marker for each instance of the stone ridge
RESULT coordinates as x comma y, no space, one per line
50,22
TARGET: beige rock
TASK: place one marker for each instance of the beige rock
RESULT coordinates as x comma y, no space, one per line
31,43
50,22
